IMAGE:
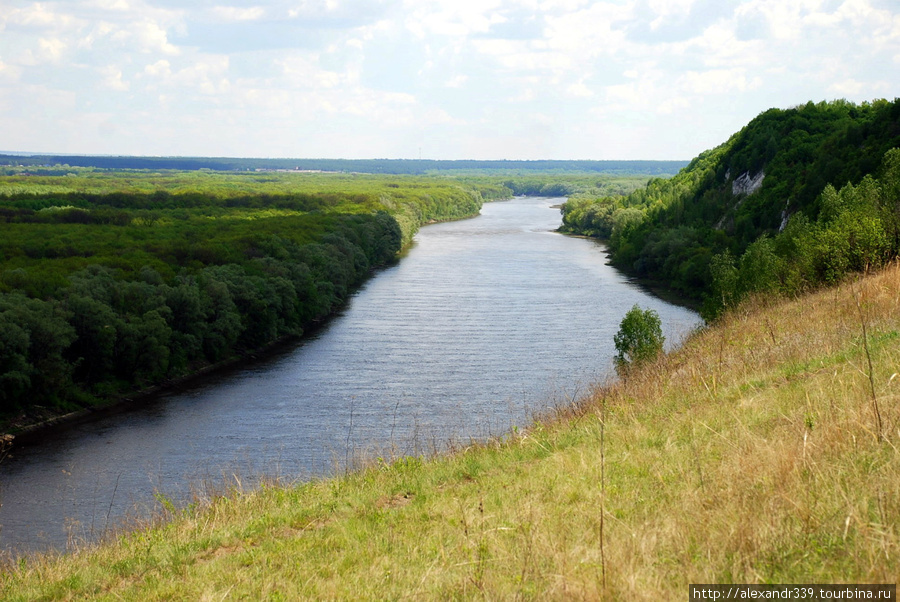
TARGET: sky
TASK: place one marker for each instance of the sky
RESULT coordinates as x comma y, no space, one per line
430,79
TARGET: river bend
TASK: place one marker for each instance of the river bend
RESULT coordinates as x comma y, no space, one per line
484,322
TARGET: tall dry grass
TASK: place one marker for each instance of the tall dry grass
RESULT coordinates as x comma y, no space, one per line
752,454
772,461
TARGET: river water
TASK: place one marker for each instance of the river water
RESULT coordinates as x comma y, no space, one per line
484,323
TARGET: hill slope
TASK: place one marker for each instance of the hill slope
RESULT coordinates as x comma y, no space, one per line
752,454
775,169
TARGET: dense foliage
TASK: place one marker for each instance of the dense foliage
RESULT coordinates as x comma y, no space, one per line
639,339
558,185
106,287
764,192
858,229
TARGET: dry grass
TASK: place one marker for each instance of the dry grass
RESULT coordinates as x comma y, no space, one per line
769,460
753,454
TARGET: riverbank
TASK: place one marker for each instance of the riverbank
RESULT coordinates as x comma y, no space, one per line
654,287
115,282
44,421
763,450
25,431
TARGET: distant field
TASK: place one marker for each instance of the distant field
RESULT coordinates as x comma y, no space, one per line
372,166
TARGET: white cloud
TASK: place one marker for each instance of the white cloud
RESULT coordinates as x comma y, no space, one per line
9,73
203,78
718,81
238,14
51,49
99,31
579,90
439,117
589,32
519,56
665,10
40,16
313,7
719,47
462,18
207,74
672,105
540,119
635,95
784,19
304,72
161,69
113,5
526,95
457,81
151,36
380,76
847,88
112,78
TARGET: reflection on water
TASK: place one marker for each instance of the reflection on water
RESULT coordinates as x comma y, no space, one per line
484,322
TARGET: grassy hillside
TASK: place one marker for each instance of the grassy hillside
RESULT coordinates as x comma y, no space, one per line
764,450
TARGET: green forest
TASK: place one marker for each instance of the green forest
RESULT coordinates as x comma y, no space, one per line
797,198
113,281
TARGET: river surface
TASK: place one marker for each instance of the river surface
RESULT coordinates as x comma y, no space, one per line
484,323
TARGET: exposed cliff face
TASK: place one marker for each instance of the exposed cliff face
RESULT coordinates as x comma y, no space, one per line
746,184
743,186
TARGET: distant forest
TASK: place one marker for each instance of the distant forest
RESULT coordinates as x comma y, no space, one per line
371,166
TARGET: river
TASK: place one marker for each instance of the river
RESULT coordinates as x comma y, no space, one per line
482,324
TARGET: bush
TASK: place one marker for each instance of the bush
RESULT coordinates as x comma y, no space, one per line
639,338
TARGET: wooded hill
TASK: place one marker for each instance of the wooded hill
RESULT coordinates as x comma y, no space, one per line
797,197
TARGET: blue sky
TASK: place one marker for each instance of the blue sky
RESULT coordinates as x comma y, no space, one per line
460,79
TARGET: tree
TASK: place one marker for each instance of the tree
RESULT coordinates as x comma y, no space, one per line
15,370
725,280
639,339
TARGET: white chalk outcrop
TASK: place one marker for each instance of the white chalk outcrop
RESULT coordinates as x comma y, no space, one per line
745,184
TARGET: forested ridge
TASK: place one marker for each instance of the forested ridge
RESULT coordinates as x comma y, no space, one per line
107,287
797,198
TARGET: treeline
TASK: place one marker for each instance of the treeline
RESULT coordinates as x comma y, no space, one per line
769,182
555,184
50,165
103,294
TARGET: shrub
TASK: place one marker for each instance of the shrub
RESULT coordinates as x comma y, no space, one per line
639,338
